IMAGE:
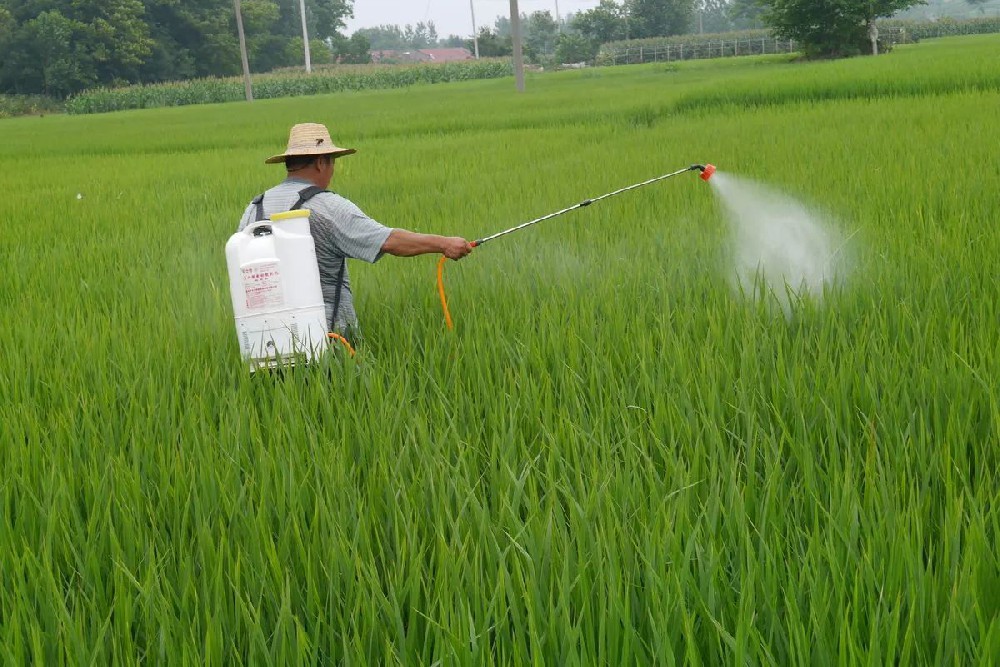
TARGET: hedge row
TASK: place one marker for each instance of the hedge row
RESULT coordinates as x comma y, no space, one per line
27,105
331,80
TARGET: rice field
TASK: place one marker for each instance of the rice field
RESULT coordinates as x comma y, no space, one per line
614,458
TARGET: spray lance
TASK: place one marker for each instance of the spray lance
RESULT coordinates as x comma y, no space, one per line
706,171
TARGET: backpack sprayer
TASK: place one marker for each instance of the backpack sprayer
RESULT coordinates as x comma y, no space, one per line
706,173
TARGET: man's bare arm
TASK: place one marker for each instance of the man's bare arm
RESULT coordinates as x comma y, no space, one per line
403,243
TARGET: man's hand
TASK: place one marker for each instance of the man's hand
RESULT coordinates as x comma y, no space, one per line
455,247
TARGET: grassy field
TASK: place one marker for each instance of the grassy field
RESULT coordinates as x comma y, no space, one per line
612,459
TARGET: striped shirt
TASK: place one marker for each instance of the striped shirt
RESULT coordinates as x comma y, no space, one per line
340,230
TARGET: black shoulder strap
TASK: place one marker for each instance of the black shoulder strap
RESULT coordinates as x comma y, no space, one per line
305,194
258,202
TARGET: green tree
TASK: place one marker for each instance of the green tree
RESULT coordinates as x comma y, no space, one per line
328,17
572,48
659,18
46,57
502,26
60,47
191,39
712,16
605,23
384,37
420,36
540,32
452,42
269,46
746,14
829,28
355,50
491,44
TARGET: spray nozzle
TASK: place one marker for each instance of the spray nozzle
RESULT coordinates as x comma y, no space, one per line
706,170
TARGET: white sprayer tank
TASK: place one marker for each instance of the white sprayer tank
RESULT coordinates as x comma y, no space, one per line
274,284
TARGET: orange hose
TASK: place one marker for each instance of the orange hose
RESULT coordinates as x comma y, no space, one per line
343,341
444,299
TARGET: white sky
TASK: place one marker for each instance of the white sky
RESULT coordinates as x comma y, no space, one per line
451,16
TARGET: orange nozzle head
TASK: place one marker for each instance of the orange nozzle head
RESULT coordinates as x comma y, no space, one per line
706,172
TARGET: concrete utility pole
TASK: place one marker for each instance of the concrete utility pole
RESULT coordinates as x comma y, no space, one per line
558,20
475,33
243,51
305,35
515,35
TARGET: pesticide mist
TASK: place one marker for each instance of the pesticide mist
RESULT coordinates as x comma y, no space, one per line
779,247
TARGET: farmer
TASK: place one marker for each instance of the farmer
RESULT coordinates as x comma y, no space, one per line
339,229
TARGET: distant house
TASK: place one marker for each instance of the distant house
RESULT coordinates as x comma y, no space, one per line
448,55
421,56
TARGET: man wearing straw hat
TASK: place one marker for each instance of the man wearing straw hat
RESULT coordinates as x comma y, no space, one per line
339,229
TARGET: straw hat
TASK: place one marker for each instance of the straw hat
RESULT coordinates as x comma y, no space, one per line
309,139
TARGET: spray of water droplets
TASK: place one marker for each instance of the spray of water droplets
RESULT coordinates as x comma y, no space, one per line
780,248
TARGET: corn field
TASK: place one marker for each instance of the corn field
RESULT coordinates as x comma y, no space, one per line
342,78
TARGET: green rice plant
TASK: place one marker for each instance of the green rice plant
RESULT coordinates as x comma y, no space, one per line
908,73
614,458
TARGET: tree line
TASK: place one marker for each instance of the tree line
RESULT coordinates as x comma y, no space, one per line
59,47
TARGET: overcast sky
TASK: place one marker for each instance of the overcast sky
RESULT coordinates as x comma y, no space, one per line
451,16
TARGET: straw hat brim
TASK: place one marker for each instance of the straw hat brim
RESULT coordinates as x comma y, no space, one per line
336,152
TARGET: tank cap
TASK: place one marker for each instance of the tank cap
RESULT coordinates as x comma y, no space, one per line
289,215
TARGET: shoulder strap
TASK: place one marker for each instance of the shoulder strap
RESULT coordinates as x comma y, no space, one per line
305,194
258,202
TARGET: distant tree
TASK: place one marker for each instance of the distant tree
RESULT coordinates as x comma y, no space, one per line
270,38
605,23
79,44
267,47
980,4
420,36
502,26
384,37
746,13
540,31
712,16
575,49
355,50
190,39
829,28
452,42
566,22
492,45
326,17
659,18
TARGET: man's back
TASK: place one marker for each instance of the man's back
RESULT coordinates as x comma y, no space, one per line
340,230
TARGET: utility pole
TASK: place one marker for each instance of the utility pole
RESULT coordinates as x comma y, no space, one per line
243,51
558,20
305,35
515,35
475,33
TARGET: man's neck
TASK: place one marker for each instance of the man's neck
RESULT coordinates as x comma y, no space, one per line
304,178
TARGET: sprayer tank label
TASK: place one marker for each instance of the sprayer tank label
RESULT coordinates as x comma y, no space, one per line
262,285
